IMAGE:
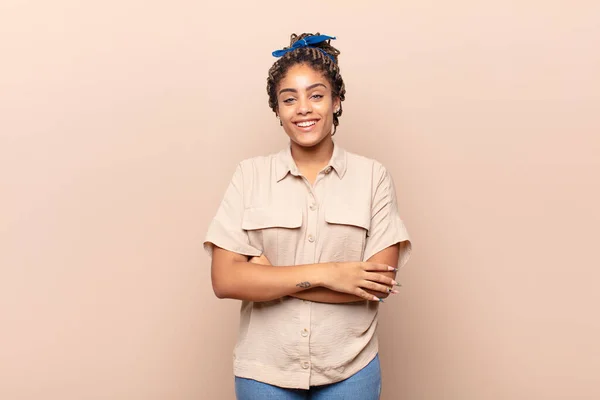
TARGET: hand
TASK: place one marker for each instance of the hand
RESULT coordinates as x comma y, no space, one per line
357,277
262,259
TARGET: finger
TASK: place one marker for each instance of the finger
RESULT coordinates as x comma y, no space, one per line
379,267
259,260
383,295
376,287
375,277
265,260
367,296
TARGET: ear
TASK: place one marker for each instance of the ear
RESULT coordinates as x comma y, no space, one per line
336,104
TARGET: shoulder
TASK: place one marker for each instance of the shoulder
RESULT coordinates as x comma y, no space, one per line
364,165
258,169
257,164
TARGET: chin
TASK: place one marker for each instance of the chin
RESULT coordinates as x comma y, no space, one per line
308,140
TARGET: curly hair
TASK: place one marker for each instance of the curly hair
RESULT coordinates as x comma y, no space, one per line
323,57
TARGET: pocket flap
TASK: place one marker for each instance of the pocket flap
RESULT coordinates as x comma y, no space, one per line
344,215
271,217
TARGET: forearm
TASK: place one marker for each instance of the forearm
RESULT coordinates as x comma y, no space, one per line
341,282
255,282
324,295
387,256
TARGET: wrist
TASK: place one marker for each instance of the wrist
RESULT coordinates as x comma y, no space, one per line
321,275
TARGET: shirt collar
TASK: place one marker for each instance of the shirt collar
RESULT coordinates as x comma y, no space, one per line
286,163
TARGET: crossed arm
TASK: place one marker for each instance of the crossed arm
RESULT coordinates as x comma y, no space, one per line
234,276
388,256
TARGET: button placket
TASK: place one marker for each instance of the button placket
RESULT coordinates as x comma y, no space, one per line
304,324
311,222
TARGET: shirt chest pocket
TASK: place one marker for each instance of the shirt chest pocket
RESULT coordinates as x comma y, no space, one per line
346,232
274,230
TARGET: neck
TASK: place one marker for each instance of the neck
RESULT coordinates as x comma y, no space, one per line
315,157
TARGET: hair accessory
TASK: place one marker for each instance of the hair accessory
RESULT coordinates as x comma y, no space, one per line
308,41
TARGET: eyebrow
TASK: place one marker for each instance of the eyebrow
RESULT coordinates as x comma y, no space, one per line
314,85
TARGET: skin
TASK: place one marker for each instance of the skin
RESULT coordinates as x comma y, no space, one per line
305,95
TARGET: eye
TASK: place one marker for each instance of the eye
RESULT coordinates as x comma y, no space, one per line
288,100
317,96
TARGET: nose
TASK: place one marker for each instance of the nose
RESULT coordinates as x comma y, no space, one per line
303,107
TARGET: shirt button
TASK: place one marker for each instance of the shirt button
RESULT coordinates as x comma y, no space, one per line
305,365
311,238
327,170
313,206
304,332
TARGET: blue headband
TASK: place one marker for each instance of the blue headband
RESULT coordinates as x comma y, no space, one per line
308,41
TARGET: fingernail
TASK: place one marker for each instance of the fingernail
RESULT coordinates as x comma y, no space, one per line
390,268
377,299
394,291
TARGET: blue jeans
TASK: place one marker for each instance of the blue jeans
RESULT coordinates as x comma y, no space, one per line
363,385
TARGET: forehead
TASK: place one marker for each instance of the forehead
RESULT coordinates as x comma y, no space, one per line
301,75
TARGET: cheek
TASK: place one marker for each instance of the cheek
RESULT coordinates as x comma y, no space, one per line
284,113
286,118
324,107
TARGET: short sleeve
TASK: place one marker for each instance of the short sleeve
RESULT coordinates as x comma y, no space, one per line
387,228
225,230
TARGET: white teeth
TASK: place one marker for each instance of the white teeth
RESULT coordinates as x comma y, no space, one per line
306,124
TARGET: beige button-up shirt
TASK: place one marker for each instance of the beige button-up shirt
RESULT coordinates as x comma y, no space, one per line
350,213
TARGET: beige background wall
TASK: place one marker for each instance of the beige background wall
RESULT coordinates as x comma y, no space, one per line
122,121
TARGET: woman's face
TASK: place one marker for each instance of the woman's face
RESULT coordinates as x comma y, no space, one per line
305,105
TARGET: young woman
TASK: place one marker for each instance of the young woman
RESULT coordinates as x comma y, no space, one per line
310,240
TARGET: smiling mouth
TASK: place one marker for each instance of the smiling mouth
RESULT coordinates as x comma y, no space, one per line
306,124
